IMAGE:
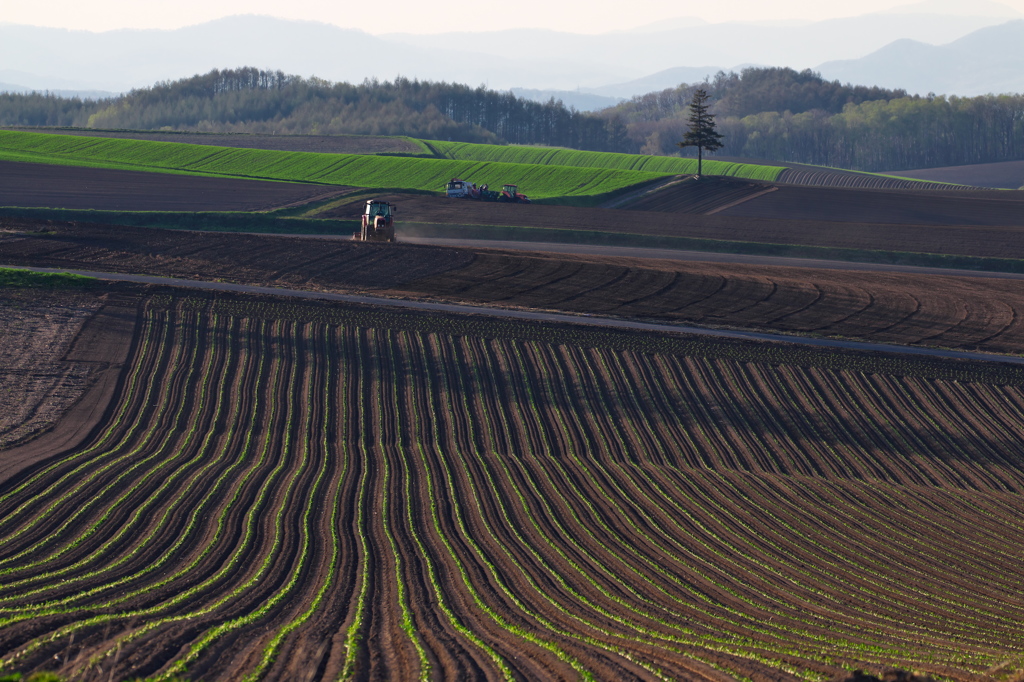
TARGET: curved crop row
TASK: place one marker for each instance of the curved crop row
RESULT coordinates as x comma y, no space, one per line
296,499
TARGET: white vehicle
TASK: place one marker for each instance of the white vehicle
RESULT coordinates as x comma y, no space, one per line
462,189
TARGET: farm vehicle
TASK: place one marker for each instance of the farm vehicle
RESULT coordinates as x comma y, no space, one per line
378,222
510,193
463,189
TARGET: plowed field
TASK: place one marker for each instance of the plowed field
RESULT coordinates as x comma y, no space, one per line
819,177
36,333
954,312
731,197
977,233
1005,174
950,312
282,494
43,186
886,206
705,196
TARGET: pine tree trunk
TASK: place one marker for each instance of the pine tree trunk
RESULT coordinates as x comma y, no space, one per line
700,160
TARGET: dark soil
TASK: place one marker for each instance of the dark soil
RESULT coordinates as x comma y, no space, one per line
988,208
983,237
475,498
46,186
956,312
1003,175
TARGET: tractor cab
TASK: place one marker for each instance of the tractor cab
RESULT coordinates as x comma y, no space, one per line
376,208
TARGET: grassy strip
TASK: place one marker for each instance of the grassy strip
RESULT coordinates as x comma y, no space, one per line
23,279
424,149
357,170
595,237
557,156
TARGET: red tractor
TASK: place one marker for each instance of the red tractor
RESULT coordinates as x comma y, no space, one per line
510,194
378,222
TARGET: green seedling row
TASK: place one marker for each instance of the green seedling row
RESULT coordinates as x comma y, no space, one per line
514,500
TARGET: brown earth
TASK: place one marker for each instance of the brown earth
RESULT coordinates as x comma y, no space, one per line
61,357
333,144
954,239
47,186
735,197
40,378
304,492
278,495
932,310
823,176
1004,175
986,224
819,177
895,207
249,258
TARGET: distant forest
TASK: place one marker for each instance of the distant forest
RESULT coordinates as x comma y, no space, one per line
766,113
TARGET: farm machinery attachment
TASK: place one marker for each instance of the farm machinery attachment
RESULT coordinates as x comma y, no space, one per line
378,222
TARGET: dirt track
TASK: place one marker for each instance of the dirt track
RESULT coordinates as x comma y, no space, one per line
276,494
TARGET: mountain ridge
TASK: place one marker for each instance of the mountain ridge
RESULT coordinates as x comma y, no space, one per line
117,61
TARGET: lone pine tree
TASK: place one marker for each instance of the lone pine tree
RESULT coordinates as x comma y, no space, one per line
702,133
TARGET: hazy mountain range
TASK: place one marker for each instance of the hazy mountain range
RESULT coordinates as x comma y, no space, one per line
962,47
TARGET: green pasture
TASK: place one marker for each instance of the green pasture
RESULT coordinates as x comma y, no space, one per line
556,156
408,173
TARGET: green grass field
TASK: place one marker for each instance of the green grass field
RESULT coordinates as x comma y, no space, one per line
666,165
539,181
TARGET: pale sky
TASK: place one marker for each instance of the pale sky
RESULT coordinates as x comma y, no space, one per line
424,16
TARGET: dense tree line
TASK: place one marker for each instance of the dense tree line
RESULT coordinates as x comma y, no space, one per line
785,115
766,113
257,101
909,132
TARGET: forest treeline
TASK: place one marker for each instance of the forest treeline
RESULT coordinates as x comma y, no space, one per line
785,115
767,113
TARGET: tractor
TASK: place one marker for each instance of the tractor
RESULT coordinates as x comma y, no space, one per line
510,194
378,222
